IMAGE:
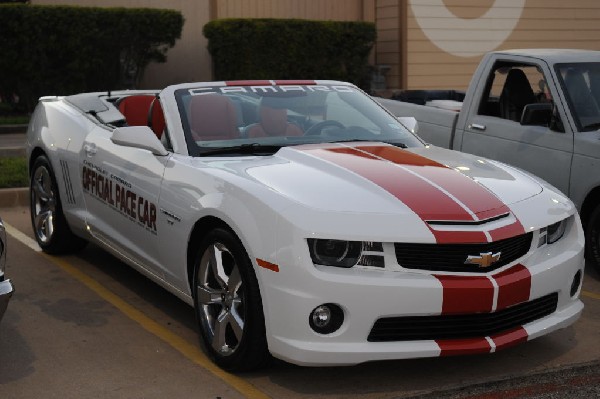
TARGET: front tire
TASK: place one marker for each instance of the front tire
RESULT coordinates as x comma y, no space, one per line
50,227
228,304
592,239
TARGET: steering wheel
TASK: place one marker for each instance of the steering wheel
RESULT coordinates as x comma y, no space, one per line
316,129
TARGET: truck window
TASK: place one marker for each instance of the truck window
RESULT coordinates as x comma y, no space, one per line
510,88
581,83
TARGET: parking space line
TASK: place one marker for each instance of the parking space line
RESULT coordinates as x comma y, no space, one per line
190,351
590,294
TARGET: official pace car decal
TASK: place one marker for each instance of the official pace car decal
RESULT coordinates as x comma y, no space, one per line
117,193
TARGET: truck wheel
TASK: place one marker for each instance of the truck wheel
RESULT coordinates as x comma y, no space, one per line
592,239
47,219
228,304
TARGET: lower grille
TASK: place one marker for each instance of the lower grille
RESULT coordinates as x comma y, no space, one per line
451,257
412,328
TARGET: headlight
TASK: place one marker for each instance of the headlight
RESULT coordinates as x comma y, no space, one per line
552,233
555,231
347,254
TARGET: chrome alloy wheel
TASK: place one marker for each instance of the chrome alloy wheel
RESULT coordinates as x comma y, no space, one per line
43,201
220,297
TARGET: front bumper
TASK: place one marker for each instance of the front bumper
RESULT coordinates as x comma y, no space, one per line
290,295
6,291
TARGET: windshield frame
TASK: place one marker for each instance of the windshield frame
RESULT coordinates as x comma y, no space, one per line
391,130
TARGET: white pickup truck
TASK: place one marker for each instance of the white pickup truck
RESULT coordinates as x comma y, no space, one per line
538,110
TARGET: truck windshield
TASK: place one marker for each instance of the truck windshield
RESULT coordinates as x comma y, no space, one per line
263,118
581,83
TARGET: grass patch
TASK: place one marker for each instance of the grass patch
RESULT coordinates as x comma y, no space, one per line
14,120
13,172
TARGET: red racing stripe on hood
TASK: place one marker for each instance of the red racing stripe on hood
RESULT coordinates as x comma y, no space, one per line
473,195
423,198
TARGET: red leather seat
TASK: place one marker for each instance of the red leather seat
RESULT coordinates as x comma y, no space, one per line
143,110
213,117
156,118
273,122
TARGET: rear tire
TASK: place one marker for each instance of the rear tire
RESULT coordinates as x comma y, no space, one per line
50,227
592,239
228,304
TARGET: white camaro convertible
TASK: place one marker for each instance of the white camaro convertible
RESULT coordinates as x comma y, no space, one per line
302,220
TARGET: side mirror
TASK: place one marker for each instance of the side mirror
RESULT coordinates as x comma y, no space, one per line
537,114
410,123
138,137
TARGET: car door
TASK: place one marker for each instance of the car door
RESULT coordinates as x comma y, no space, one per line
493,129
121,187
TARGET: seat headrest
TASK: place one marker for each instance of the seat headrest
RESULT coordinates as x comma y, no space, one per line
213,117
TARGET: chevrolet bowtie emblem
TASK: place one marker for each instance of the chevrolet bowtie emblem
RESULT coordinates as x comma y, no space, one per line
485,259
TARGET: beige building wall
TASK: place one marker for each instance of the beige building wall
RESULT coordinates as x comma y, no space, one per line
446,38
389,20
339,10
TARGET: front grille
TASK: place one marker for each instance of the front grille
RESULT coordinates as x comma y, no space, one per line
411,328
451,257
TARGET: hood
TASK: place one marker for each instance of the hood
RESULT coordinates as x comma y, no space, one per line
435,183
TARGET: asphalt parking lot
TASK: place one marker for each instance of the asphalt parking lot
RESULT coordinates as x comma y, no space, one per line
88,326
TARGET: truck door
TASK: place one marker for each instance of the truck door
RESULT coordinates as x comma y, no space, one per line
494,127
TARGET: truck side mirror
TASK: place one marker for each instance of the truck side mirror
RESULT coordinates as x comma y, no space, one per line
537,114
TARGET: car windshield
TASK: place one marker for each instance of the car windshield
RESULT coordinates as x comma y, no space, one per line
260,119
581,83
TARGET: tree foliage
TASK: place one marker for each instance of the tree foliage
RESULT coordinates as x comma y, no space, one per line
60,50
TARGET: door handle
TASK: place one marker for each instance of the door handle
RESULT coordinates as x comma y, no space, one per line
90,149
477,126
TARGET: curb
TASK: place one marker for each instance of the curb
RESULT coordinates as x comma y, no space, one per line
12,152
14,197
13,129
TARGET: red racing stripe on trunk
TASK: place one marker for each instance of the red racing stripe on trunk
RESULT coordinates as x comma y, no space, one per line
427,201
466,294
468,346
514,286
510,338
473,195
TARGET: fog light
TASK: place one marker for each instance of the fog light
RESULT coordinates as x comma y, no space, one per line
576,282
326,318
